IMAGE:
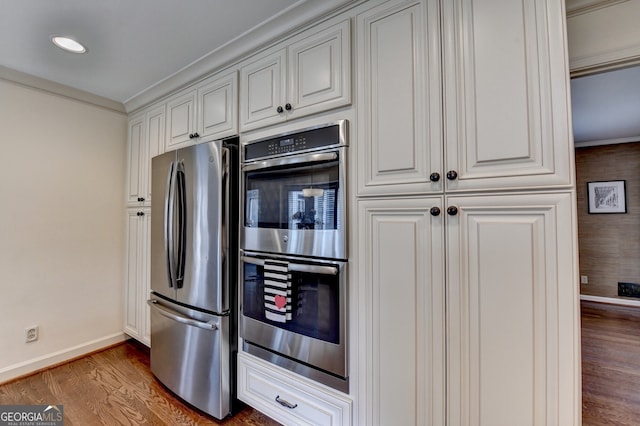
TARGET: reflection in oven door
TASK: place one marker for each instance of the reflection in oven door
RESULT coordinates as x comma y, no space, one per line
314,333
295,205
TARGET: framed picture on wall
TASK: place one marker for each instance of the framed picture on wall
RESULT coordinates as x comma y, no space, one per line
607,197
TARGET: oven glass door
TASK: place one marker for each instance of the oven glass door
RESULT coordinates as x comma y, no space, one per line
293,197
315,300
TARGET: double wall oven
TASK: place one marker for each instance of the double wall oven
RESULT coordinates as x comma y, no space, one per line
294,252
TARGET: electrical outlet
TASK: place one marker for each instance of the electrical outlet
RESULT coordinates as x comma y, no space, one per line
31,334
584,279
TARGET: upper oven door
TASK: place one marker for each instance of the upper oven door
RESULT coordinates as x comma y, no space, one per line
295,205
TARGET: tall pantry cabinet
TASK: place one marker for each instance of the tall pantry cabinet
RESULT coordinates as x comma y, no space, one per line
146,140
466,247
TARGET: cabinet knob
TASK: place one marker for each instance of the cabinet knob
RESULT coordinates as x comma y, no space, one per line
196,135
288,107
452,210
190,135
452,175
435,211
434,177
280,110
140,213
140,198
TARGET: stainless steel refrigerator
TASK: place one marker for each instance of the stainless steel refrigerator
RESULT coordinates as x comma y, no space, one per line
194,273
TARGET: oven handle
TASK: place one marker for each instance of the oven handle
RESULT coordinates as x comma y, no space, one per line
287,161
297,267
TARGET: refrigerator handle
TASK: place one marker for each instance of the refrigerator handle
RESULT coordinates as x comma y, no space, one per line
176,316
169,213
181,224
225,214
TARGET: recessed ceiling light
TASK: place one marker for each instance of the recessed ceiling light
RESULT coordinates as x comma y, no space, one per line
68,44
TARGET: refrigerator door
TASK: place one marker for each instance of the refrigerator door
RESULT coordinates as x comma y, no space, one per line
201,262
162,254
198,373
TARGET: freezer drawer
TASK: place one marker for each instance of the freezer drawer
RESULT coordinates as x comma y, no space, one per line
190,355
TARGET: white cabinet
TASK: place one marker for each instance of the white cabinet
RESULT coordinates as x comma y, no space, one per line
496,118
146,140
399,105
512,334
281,395
402,265
137,280
506,94
135,160
206,111
311,74
217,107
512,311
181,113
463,106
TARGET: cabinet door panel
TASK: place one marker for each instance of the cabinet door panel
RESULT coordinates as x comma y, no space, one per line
132,324
506,94
155,144
262,90
145,278
135,155
137,286
399,118
319,71
402,248
217,102
513,315
180,120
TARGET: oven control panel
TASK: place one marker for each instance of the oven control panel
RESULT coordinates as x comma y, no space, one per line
304,140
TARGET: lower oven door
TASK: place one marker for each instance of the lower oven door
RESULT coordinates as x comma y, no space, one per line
313,331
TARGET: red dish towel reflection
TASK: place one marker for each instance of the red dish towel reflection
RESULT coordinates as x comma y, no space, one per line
277,291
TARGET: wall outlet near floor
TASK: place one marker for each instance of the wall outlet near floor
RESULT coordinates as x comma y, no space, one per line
31,334
584,279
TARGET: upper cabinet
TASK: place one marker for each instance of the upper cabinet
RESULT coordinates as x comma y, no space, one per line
311,74
208,110
146,140
506,95
217,107
181,118
399,105
496,118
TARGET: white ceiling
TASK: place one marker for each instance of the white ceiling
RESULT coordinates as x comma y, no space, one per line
606,106
132,44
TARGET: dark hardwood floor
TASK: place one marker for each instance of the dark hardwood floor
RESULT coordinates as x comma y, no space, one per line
610,364
114,387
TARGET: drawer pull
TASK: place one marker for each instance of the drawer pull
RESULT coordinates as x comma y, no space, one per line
285,403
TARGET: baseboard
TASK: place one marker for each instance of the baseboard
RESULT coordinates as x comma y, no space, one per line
610,300
33,365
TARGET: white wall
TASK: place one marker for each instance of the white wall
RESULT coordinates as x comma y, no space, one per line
62,171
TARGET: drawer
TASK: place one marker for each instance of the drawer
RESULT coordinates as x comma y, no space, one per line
287,398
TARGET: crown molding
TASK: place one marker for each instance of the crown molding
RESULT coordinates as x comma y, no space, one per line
33,82
300,14
577,7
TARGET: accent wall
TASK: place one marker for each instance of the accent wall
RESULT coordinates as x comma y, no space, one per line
609,243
